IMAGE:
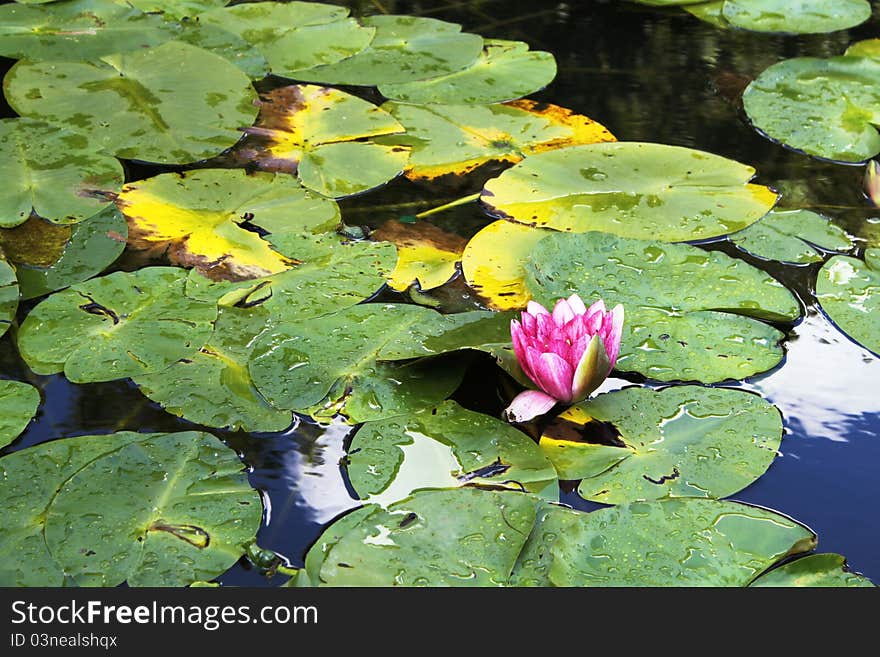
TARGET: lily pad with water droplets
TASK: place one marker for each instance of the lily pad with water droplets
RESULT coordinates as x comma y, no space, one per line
792,236
18,405
52,172
457,537
505,70
325,137
404,49
116,326
682,441
848,290
690,314
796,16
457,139
444,447
213,387
630,189
828,108
8,295
171,104
146,509
814,570
676,542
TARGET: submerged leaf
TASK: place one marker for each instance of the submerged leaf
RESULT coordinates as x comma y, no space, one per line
18,405
849,292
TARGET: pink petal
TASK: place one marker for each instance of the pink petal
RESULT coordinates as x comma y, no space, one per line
596,307
612,342
532,362
528,404
520,340
591,371
529,325
554,376
562,312
535,308
577,305
546,329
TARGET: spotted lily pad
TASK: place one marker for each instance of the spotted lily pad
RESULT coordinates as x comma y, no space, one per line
676,542
116,326
325,136
505,70
796,16
143,105
18,405
456,139
792,236
213,386
828,108
199,219
293,35
814,570
458,537
426,254
8,296
179,504
630,189
689,313
683,441
74,254
444,447
175,8
849,292
52,172
77,29
331,364
227,45
404,48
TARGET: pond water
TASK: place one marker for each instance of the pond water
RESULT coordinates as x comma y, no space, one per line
648,75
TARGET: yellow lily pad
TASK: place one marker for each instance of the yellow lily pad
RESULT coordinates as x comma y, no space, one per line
426,254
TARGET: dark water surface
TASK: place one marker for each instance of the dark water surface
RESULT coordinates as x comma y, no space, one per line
647,75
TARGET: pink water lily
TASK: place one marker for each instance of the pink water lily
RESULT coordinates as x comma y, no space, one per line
567,353
872,182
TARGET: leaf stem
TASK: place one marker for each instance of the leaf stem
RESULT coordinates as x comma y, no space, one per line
446,206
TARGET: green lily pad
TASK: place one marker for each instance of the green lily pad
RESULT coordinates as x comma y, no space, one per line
796,16
505,70
667,3
326,137
791,236
682,441
116,326
458,537
814,570
142,105
456,139
199,219
90,247
404,49
18,405
78,29
179,506
865,48
330,364
294,35
630,189
8,296
828,108
689,312
175,8
213,387
227,45
849,292
444,447
676,542
52,172
709,12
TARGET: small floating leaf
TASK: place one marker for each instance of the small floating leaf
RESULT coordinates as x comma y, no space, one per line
505,70
682,441
456,139
52,172
18,405
813,570
796,16
116,326
824,107
676,542
630,189
142,105
426,254
866,48
405,48
849,292
791,236
324,136
688,311
440,448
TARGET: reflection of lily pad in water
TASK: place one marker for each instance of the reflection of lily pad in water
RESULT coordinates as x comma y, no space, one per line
440,448
179,505
792,236
683,441
849,292
690,314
